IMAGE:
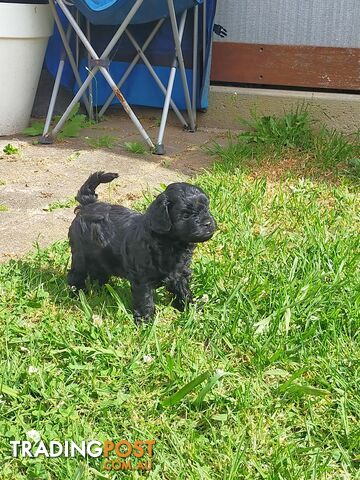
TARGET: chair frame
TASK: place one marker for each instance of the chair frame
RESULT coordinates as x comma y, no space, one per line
101,63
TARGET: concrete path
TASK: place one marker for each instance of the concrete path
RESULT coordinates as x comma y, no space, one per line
39,176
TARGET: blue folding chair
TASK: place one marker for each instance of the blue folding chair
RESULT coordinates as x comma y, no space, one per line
122,13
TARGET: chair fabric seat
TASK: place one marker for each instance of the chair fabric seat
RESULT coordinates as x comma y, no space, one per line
113,12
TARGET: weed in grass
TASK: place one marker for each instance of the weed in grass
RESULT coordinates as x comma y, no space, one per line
73,126
2,182
10,149
71,202
166,162
332,148
3,208
107,141
234,155
74,156
135,147
71,129
75,123
293,130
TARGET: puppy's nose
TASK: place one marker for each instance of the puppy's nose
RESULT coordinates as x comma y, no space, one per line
210,223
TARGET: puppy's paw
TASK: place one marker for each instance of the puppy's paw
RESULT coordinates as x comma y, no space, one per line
143,319
182,303
75,289
178,304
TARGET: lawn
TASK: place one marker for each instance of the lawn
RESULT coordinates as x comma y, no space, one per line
272,340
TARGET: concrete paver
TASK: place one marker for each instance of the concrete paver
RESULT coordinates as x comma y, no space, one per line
41,175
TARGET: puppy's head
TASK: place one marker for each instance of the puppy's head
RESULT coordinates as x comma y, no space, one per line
182,213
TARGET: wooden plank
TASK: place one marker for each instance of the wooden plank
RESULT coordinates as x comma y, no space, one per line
288,65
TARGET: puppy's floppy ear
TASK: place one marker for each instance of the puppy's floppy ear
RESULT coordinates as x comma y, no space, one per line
158,214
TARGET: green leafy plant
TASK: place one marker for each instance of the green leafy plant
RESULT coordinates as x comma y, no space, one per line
35,129
10,149
74,124
71,202
71,129
3,208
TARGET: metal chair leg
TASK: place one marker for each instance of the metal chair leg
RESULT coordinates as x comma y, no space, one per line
195,61
68,50
91,100
160,149
55,90
157,79
180,58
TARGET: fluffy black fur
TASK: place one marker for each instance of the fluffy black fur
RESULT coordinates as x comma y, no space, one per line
150,249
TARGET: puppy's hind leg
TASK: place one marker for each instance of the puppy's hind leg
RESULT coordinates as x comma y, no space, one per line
78,272
143,302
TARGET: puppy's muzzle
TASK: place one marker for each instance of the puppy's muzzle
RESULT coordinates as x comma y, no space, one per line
208,228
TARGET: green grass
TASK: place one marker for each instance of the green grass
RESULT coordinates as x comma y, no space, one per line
106,141
3,208
135,147
295,134
259,379
70,202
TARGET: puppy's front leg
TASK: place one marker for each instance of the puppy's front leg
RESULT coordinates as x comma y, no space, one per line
78,272
179,285
143,301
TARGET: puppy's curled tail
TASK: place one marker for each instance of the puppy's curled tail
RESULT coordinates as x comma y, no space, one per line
87,194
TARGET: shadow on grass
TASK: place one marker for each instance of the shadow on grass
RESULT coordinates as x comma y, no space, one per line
37,276
40,276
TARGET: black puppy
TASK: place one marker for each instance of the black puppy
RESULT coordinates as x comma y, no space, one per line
150,249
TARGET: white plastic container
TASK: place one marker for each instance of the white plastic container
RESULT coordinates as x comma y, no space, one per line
24,33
